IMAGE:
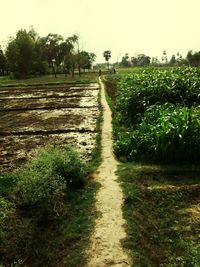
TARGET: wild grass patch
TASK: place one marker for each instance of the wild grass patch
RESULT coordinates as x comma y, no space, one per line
161,203
47,210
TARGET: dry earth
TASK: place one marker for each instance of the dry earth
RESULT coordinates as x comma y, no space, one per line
105,248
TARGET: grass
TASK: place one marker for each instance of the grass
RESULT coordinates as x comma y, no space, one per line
45,218
5,81
162,211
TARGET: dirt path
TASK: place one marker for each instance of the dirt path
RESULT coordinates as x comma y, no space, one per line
106,249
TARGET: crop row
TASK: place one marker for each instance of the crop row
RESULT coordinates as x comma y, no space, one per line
157,115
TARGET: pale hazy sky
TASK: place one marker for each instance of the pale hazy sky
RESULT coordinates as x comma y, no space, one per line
132,26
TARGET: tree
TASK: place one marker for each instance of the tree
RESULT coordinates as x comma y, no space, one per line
143,60
29,54
19,54
69,63
2,62
155,61
134,61
172,61
51,44
193,58
164,57
125,61
107,56
86,59
75,41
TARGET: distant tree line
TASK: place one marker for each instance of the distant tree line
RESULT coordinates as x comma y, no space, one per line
29,54
142,60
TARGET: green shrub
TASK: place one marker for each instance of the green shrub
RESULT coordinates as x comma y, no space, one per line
6,210
63,162
45,181
8,181
33,202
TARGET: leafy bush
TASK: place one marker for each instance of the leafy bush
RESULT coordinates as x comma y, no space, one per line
7,182
166,133
44,182
33,201
6,210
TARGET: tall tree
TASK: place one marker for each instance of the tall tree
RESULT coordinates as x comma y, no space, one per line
20,54
143,60
193,58
172,61
125,61
77,56
2,62
52,45
164,57
86,59
107,56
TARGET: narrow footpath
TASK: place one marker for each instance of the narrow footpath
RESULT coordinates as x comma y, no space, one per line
106,249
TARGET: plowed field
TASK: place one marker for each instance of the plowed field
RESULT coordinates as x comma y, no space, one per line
33,117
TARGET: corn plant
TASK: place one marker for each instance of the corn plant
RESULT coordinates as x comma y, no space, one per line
166,133
138,91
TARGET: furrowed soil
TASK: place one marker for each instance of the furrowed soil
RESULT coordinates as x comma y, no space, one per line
105,248
32,117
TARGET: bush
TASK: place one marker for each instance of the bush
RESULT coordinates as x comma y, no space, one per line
33,201
6,211
7,182
44,182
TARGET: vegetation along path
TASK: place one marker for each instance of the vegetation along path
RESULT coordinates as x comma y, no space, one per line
106,249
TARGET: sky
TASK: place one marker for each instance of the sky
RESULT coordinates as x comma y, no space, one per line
121,26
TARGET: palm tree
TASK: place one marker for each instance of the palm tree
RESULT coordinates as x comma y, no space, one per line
107,56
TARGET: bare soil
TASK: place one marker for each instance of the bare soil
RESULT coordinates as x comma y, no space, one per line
105,248
32,117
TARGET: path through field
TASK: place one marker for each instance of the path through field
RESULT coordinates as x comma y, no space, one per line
106,249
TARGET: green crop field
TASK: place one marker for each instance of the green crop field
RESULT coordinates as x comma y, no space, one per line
156,125
157,114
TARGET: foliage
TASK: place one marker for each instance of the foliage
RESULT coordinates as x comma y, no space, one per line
20,54
156,114
141,60
107,56
193,58
43,182
2,62
138,91
125,62
43,208
166,133
7,182
29,54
